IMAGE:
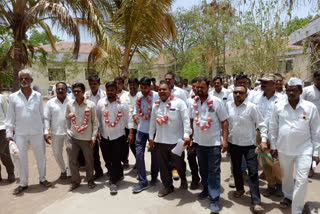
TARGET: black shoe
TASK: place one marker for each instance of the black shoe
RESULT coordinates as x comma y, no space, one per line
97,175
11,178
63,175
45,183
74,185
91,184
125,165
269,191
194,185
278,191
153,182
19,190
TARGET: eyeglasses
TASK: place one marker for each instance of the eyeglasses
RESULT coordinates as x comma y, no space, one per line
239,92
76,91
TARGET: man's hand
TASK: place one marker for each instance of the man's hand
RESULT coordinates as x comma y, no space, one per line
99,136
187,141
316,159
274,153
47,138
263,146
92,143
10,139
130,138
224,147
151,144
136,119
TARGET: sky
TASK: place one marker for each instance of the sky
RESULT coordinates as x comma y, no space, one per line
302,10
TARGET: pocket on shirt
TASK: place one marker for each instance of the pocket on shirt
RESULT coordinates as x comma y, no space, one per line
173,114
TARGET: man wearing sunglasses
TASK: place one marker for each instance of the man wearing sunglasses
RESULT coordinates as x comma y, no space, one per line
242,142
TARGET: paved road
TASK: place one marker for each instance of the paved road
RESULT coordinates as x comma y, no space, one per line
57,199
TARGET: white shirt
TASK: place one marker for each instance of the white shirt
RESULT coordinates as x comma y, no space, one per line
223,95
295,132
124,97
25,115
212,136
312,94
179,93
178,124
107,132
3,111
187,88
243,121
266,105
131,104
54,116
100,94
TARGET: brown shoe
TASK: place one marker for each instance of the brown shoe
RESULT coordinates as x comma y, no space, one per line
63,176
184,185
165,191
238,194
74,185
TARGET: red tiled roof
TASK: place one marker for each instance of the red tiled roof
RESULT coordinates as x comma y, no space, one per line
67,47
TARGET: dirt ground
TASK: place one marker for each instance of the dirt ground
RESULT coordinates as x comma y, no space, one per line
57,199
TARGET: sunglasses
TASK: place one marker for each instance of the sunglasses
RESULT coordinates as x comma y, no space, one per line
239,92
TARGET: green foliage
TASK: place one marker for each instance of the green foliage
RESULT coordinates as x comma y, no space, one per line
37,38
296,23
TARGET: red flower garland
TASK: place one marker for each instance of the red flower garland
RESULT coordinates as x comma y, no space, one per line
165,118
149,100
84,123
106,115
207,125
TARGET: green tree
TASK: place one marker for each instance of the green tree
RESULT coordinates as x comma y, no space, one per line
37,38
20,16
138,26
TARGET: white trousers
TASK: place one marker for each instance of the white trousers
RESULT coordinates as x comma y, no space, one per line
38,148
295,191
58,141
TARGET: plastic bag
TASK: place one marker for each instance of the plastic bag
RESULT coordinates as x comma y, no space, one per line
14,153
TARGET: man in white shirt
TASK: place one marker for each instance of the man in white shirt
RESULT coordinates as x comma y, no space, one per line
169,123
312,94
113,116
279,83
186,86
123,94
142,114
295,139
242,142
170,78
25,108
54,119
218,90
265,102
209,125
95,94
4,144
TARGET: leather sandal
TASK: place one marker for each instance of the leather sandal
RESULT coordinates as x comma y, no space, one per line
238,194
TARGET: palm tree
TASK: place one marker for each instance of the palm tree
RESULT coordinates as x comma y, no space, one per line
21,15
135,26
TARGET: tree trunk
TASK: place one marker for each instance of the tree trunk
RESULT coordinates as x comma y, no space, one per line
20,59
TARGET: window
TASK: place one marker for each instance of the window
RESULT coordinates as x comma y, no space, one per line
289,65
57,74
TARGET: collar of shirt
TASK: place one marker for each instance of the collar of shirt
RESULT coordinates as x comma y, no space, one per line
22,94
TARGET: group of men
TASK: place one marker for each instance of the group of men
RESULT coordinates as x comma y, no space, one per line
208,118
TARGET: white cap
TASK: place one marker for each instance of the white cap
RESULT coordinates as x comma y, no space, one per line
258,81
294,81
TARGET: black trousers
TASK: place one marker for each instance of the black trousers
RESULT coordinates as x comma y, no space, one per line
112,153
125,147
193,164
236,153
166,159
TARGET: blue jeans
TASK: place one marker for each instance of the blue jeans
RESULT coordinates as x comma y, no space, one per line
141,141
209,158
